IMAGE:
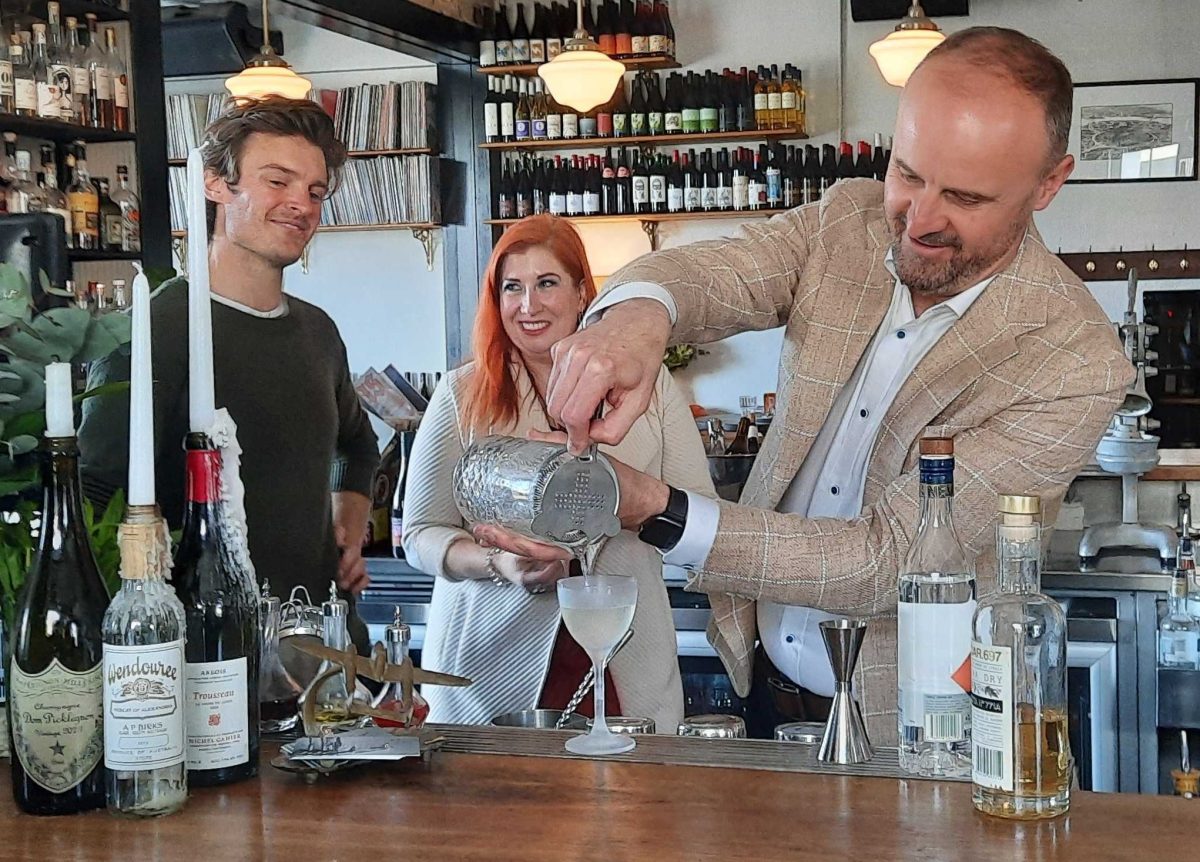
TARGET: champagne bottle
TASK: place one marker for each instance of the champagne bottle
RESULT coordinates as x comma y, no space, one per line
55,680
144,739
215,581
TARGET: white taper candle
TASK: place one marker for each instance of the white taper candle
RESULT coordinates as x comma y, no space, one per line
60,418
141,399
200,351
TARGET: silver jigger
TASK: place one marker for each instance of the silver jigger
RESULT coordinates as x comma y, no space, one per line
845,739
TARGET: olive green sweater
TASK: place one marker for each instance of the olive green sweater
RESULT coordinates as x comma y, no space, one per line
303,432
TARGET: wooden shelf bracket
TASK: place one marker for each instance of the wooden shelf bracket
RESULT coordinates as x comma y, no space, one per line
427,237
650,228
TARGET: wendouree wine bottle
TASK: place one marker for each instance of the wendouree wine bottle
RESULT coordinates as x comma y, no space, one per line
55,694
215,581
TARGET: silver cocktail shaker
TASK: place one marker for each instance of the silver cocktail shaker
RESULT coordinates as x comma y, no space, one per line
539,490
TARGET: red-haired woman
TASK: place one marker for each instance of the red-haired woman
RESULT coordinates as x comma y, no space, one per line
494,616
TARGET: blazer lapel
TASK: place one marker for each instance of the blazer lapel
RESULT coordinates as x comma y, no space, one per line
837,320
981,339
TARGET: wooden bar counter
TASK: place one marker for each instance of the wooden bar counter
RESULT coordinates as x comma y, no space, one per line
499,807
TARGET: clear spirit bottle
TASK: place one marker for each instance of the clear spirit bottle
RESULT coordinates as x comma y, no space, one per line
144,741
1021,764
933,634
1178,633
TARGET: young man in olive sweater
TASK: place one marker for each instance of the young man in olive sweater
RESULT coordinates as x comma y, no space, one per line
308,451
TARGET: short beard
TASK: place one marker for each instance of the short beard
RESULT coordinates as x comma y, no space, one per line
955,275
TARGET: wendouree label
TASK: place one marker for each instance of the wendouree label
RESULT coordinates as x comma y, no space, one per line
57,723
143,706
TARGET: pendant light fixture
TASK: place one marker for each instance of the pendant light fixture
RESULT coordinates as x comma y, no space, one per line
581,76
902,50
267,73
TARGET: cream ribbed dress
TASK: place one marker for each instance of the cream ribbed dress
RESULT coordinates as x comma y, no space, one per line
501,636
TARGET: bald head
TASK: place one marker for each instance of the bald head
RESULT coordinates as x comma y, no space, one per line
986,56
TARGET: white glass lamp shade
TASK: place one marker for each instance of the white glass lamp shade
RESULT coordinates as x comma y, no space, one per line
258,81
901,51
581,78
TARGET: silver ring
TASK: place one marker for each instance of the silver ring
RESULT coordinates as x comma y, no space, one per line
538,590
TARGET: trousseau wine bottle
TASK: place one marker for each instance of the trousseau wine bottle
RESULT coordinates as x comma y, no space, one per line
933,629
216,583
55,678
144,694
1021,759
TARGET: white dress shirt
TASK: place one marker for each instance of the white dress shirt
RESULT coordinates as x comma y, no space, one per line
830,482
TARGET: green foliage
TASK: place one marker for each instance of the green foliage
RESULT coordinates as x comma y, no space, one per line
681,355
29,340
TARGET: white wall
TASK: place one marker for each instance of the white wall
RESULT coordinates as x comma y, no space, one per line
375,285
1100,40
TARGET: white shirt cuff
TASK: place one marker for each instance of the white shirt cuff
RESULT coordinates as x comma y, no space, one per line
632,290
699,533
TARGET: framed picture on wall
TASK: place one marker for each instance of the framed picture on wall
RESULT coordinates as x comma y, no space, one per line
1135,131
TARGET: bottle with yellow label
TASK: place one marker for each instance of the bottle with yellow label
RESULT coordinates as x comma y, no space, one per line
84,201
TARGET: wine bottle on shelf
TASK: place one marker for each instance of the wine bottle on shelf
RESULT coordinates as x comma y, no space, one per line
740,184
608,185
640,182
24,82
845,162
487,37
791,178
58,57
774,176
801,124
725,189
624,29
520,37
663,11
658,185
659,41
55,676
553,34
537,36
508,111
491,112
709,102
692,192
624,186
606,39
690,115
504,38
593,183
828,174
215,581
100,89
538,129
727,110
862,164
79,74
762,109
655,108
709,182
524,191
878,161
505,194
43,73
522,113
620,111
570,122
638,107
574,188
788,98
675,185
758,186
589,123
673,106
775,99
84,203
145,741
642,26
110,218
541,203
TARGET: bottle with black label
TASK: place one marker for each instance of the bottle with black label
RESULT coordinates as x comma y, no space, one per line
110,218
215,581
56,679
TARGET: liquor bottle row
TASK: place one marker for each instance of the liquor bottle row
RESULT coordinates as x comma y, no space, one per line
1179,630
1006,686
624,29
518,110
96,217
773,177
63,70
129,701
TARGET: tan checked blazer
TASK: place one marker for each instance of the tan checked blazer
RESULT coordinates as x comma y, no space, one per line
1025,381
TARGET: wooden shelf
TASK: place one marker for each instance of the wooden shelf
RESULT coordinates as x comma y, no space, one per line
680,140
355,154
343,228
656,218
57,130
632,64
79,255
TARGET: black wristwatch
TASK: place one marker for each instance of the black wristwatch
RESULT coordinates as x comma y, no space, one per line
665,529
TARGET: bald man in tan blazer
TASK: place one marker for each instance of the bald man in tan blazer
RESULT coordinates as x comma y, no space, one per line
1023,372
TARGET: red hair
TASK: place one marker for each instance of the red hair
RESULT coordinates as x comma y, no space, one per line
491,397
